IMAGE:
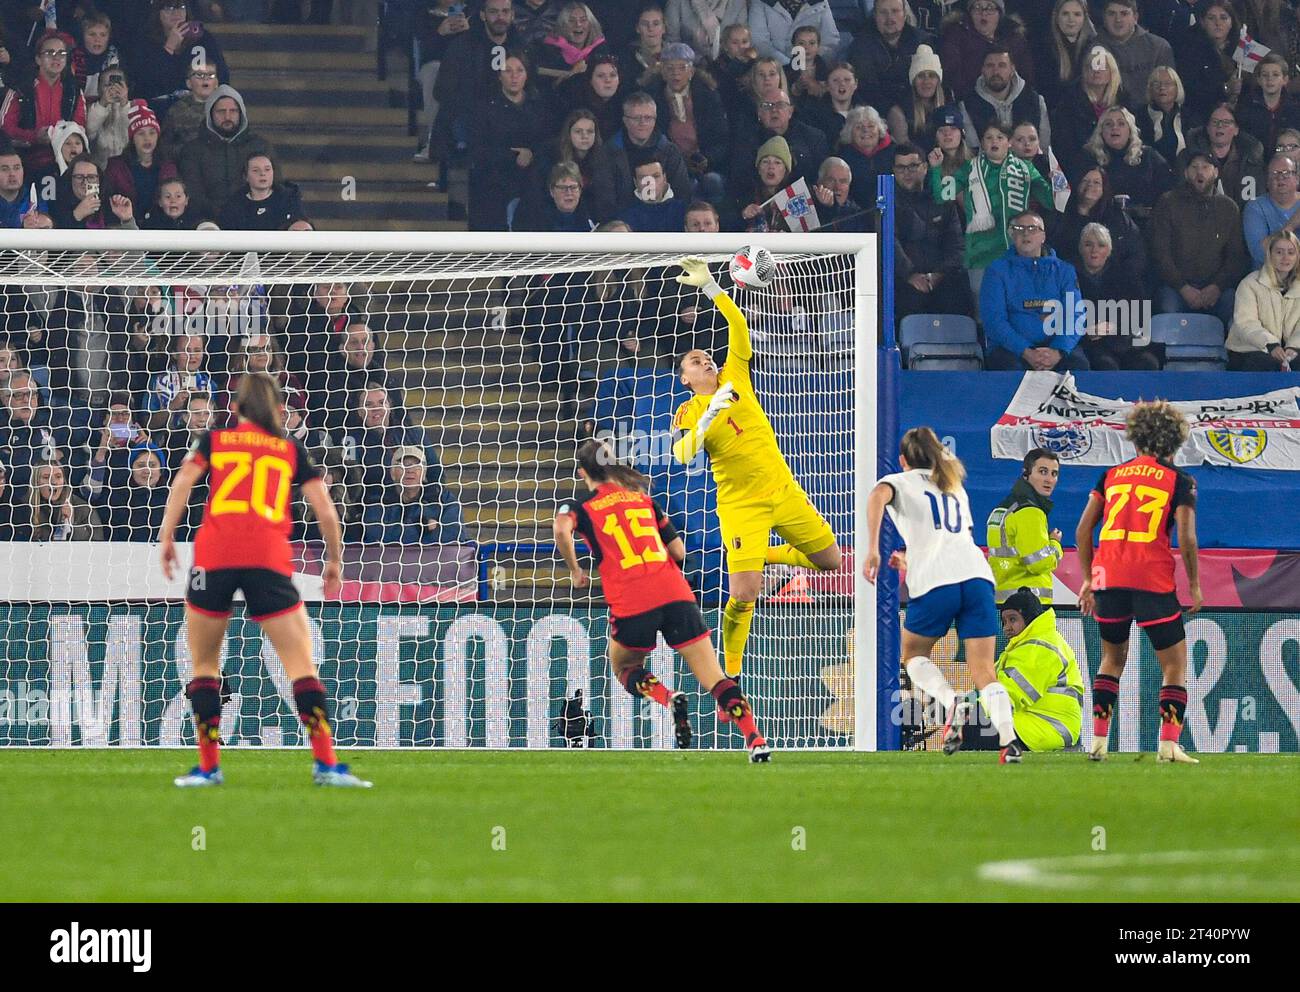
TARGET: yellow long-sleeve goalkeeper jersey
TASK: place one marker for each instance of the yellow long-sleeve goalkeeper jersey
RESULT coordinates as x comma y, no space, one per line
741,445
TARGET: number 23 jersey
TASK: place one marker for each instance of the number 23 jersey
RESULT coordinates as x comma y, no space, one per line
1138,502
628,536
936,527
251,475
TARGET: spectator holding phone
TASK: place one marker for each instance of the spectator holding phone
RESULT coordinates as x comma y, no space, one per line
119,433
173,44
108,119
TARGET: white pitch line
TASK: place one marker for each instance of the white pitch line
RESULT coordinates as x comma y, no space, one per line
1079,871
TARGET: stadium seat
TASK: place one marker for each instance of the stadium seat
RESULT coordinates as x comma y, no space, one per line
941,342
1193,341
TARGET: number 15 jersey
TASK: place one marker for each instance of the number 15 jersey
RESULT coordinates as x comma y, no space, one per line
1138,502
937,529
251,475
628,535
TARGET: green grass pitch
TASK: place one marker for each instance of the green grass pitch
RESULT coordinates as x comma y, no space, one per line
109,825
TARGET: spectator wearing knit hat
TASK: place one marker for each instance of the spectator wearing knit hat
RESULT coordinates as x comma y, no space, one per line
30,111
913,118
950,151
882,54
138,172
772,167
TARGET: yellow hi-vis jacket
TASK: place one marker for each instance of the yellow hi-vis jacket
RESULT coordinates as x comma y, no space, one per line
1039,671
1020,551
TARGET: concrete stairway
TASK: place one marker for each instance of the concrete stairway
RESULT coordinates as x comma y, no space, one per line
507,455
338,131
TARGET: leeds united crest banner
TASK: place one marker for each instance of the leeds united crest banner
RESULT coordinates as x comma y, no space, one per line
1048,411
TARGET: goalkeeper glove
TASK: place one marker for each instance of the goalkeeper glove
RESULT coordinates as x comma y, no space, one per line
720,401
696,273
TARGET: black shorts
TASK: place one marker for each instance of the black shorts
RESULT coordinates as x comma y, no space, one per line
266,593
1153,611
682,623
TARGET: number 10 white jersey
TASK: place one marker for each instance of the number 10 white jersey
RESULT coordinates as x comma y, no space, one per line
937,529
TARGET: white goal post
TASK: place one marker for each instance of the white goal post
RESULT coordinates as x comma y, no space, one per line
444,381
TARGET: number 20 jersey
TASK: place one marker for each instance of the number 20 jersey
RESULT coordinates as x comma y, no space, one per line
937,529
248,518
1138,502
627,534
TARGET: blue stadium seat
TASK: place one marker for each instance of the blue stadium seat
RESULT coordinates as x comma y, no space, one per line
1193,341
941,341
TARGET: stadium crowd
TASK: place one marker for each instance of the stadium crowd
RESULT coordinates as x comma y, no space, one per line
1048,159
1154,144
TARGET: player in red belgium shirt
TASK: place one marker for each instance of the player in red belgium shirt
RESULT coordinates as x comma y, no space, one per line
637,551
1132,575
243,543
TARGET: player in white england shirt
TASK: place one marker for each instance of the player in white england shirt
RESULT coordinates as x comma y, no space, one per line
948,578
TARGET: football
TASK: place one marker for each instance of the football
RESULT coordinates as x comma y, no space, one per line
753,266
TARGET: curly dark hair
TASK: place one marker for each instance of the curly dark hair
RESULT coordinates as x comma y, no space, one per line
1157,428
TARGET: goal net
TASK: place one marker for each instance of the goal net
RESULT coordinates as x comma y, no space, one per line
443,384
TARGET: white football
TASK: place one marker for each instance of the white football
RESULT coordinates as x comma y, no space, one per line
753,266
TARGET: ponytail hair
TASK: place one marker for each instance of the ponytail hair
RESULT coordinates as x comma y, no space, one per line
598,460
922,449
261,401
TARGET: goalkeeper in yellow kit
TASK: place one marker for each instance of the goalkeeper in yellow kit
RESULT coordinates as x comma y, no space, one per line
757,492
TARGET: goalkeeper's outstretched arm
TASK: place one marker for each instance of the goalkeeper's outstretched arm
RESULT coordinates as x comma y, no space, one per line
695,272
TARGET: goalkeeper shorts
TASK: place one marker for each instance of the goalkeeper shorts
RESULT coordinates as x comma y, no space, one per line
789,511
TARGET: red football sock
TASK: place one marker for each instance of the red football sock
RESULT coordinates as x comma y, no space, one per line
309,694
733,703
1105,693
209,748
639,682
1173,709
205,700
